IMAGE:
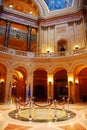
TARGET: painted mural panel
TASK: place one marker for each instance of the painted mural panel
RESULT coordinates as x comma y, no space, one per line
58,4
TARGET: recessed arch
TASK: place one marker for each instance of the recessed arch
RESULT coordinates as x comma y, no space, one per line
76,68
80,74
40,67
40,84
19,82
58,67
60,83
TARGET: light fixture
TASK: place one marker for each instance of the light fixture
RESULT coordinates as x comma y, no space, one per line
76,82
70,82
76,47
2,81
30,12
11,6
48,50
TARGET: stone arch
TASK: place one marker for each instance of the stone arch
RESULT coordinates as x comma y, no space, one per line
6,65
59,67
42,67
41,9
20,64
80,78
19,78
40,84
60,83
78,67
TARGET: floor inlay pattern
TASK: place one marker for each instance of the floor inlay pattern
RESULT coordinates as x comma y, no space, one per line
42,115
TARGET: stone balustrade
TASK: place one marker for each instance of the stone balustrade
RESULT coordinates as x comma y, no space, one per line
26,54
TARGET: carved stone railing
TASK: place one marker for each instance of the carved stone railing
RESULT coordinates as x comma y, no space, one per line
26,54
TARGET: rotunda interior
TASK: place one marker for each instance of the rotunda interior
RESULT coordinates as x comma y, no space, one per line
43,64
43,47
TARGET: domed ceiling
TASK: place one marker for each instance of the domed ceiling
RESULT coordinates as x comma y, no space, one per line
35,7
27,6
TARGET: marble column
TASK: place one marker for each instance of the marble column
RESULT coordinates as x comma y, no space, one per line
71,86
29,38
7,31
50,86
30,82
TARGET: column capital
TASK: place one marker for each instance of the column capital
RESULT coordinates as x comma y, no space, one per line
29,28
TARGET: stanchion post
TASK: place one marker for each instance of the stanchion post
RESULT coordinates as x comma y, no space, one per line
68,114
16,114
30,116
63,104
55,116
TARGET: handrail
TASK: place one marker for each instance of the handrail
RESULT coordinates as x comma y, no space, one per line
26,54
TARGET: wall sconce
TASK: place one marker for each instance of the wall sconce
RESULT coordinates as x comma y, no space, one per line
48,51
70,82
76,82
50,82
76,47
2,81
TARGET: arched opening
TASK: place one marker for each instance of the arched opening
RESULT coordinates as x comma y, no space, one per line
19,83
60,84
2,82
83,84
40,85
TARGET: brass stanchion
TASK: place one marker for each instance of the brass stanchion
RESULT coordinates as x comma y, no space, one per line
30,116
68,114
55,116
16,114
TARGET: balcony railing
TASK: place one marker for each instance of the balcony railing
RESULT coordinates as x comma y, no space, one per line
26,54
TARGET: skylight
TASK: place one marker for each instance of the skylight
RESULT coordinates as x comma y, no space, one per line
58,4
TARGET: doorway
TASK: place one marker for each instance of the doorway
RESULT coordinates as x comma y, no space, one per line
40,85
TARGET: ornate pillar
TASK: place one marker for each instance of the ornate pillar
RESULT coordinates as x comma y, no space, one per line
30,83
77,96
48,39
50,88
74,31
39,37
37,46
7,31
29,38
8,82
71,87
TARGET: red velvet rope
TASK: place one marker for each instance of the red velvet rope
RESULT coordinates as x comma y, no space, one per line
42,105
62,103
23,104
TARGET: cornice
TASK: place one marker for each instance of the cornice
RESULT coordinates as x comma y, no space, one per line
75,16
18,17
26,20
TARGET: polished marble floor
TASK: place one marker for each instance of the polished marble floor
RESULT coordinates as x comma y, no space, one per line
77,123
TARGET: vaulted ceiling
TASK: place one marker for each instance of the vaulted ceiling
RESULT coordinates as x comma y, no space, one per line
25,6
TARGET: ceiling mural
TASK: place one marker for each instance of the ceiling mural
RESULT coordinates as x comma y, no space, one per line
58,4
